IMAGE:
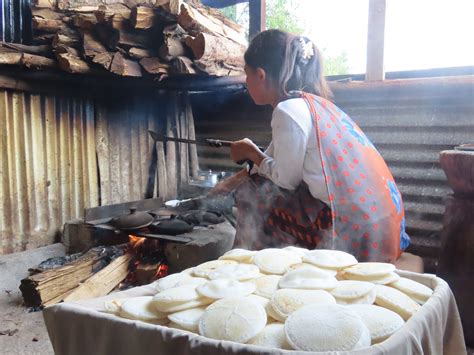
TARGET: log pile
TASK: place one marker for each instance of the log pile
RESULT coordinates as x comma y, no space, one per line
168,37
93,274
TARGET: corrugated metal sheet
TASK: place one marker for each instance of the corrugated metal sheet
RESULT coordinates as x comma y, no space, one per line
130,166
15,21
60,155
48,166
409,121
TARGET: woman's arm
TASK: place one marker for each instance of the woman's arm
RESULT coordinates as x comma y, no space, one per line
225,186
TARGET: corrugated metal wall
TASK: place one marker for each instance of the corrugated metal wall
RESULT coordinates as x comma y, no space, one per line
60,155
48,166
409,121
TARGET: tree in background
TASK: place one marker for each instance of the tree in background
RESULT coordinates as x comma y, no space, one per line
282,14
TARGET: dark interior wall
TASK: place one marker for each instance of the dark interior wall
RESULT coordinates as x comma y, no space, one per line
409,121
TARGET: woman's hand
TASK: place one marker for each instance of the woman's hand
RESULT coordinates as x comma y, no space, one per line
245,149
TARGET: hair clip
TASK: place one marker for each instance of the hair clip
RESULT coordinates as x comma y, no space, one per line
307,47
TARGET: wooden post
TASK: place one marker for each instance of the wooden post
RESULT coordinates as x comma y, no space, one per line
375,41
257,14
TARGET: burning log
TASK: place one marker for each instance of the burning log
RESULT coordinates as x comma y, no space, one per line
50,287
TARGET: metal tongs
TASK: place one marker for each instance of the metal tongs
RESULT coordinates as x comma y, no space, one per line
217,143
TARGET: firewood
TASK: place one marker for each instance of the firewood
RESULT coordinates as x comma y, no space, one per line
142,17
172,48
217,68
146,273
91,45
50,26
154,66
115,15
64,49
37,62
104,59
47,13
45,3
197,20
13,58
67,37
43,287
174,6
72,64
139,53
184,65
104,281
124,67
212,48
43,50
107,35
133,39
84,21
43,39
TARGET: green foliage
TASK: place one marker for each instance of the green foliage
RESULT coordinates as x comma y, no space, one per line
230,12
335,65
281,15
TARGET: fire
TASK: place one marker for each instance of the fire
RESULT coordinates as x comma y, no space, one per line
135,242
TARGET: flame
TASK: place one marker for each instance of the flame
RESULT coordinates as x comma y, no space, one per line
135,242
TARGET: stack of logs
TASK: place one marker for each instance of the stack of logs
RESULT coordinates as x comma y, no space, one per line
93,274
172,36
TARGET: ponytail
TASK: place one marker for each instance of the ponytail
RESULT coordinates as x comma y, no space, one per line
292,63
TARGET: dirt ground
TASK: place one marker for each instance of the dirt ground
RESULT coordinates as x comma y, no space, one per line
21,331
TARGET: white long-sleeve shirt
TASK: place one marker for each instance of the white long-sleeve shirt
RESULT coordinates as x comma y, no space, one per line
293,154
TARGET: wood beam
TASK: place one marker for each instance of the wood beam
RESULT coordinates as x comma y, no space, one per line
257,17
375,41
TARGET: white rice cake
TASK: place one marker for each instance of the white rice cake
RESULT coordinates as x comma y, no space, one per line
286,301
177,294
223,288
234,319
308,278
181,306
259,299
296,250
275,261
187,319
238,272
379,280
272,336
415,290
381,322
395,300
204,269
332,272
140,308
370,269
325,327
351,289
113,306
239,255
170,281
330,259
266,285
367,299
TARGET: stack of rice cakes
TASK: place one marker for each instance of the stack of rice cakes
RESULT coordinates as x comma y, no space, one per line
290,298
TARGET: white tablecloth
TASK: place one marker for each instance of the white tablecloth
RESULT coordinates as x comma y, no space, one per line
81,328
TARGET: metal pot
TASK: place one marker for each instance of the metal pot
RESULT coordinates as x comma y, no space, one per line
134,220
